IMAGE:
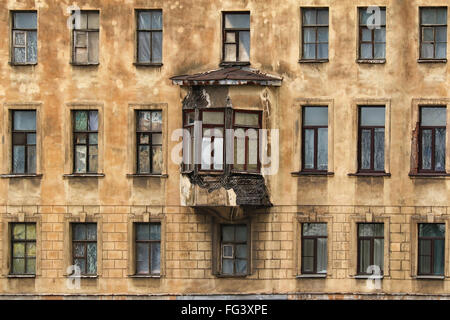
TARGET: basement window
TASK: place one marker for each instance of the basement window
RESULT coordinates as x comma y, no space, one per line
24,37
86,38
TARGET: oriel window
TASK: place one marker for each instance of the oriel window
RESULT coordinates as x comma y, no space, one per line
315,139
85,141
23,248
314,33
23,141
234,249
433,33
431,248
370,248
372,36
149,142
24,37
236,36
149,36
371,138
314,248
86,38
84,247
246,127
148,248
432,139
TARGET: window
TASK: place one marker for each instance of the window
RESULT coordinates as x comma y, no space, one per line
86,38
24,141
236,37
314,248
85,141
431,248
149,142
432,139
23,246
370,248
371,138
213,125
315,33
234,249
149,36
148,248
246,141
188,140
24,37
433,33
372,37
315,139
84,247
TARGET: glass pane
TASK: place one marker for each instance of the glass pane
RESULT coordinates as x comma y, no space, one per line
92,231
322,17
213,117
322,255
241,251
322,51
309,16
155,231
145,123
366,51
83,20
378,251
441,50
31,266
239,149
309,149
93,47
439,157
427,51
25,120
19,231
93,138
25,20
79,231
439,255
429,15
206,150
241,233
432,230
81,138
309,35
144,159
157,159
19,159
81,263
19,55
364,16
379,149
227,251
227,233
441,15
380,51
441,34
252,150
144,47
31,46
156,258
433,116
142,232
246,119
93,20
92,258
428,34
142,267
218,152
80,159
81,39
142,252
244,46
156,120
19,138
81,121
156,20
372,116
230,37
238,21
156,47
315,229
79,250
227,266
366,34
308,264
365,149
364,255
241,266
19,38
309,51
93,158
31,161
19,250
380,35
81,55
371,229
18,266
322,149
31,138
31,231
31,249
308,248
144,20
426,149
144,138
230,52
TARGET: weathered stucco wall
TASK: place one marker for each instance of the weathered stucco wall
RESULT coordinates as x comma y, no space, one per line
192,43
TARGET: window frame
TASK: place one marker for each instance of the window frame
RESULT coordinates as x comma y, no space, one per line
25,31
25,241
316,27
434,26
314,238
234,243
87,144
189,167
85,242
361,26
151,31
433,144
419,245
212,126
236,43
149,243
87,31
26,145
150,144
372,248
316,140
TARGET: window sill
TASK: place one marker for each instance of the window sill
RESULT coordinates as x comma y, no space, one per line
313,60
243,173
368,276
436,175
145,175
94,276
371,61
75,64
21,276
148,64
369,174
234,63
224,276
84,175
311,173
312,276
145,276
23,176
432,60
429,277
17,64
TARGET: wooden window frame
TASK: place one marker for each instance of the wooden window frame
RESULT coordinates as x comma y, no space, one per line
26,145
236,31
149,242
151,31
25,241
234,244
87,31
434,26
372,246
372,141
432,239
212,126
85,242
25,31
316,140
315,238
362,26
150,144
316,27
87,144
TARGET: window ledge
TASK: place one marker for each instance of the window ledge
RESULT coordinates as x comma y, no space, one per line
24,176
311,173
18,64
313,60
145,276
371,61
85,276
368,276
369,174
234,63
84,175
85,64
312,276
21,276
430,277
243,173
429,175
148,64
432,60
224,276
146,175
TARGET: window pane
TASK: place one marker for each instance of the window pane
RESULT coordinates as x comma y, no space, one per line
315,229
142,258
241,233
227,266
309,51
432,230
241,266
79,250
156,20
230,52
380,35
428,34
81,263
322,17
93,20
366,34
156,258
93,158
241,251
244,46
426,149
309,35
19,231
31,138
79,231
142,232
31,266
31,160
92,258
144,20
322,149
372,116
371,229
308,264
309,149
252,150
239,149
18,266
19,38
19,138
93,47
441,34
25,20
157,121
322,255
441,50
427,51
157,159
230,37
18,159
155,231
322,52
365,148
425,256
31,46
439,255
246,119
315,116
31,249
439,157
380,51
81,121
379,149
218,152
364,16
364,255
145,121
25,120
91,231
213,117
238,21
433,116
378,251
227,233
227,251
144,159
366,51
80,159
18,250
429,15
156,47
308,247
309,16
31,231
441,15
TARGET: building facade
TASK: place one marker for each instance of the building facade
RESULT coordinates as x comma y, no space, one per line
164,149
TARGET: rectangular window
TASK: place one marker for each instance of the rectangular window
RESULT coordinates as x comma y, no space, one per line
213,126
24,37
23,248
246,127
149,142
372,34
234,249
84,247
24,141
315,33
433,33
236,36
432,134
371,138
149,36
370,248
148,248
85,141
314,248
431,248
315,139
86,38
188,140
